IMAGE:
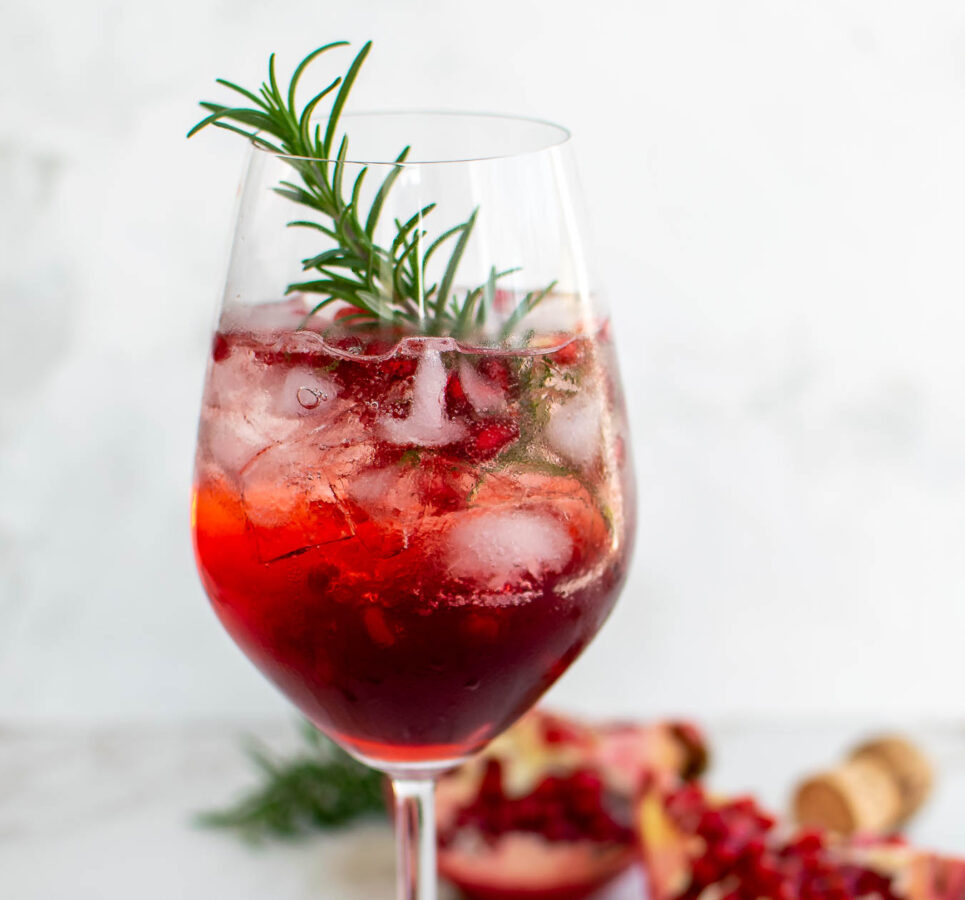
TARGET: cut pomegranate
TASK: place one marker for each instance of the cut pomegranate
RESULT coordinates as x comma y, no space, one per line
545,812
695,846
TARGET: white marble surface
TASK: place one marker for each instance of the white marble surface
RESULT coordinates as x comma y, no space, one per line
105,814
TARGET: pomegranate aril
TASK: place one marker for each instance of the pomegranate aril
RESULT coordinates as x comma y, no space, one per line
491,438
399,368
220,348
559,808
496,371
555,731
741,857
529,813
546,790
377,627
807,844
556,830
456,402
491,786
568,355
712,825
438,492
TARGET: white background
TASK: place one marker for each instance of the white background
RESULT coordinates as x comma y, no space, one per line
778,196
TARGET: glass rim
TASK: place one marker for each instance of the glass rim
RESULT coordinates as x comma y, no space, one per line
562,135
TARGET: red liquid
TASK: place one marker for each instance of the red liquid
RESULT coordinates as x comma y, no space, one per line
413,600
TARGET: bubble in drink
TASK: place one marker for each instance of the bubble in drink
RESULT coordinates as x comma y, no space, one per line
303,392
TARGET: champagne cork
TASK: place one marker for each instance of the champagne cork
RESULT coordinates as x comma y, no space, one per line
877,788
908,765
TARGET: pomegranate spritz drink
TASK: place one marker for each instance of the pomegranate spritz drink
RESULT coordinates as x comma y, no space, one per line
412,540
413,501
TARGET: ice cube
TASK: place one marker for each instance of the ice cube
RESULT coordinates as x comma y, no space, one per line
373,489
275,495
235,382
573,429
427,424
498,547
483,395
291,496
229,439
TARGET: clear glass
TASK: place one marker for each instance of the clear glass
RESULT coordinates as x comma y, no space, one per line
413,525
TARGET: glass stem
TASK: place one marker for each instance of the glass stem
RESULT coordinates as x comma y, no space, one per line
415,838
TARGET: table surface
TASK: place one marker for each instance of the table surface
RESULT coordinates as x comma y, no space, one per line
106,812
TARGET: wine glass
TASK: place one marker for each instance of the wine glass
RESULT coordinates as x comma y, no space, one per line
413,501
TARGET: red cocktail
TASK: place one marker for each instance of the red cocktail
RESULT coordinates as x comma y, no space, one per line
412,541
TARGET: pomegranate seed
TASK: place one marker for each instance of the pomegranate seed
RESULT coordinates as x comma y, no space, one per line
346,311
743,858
559,808
496,371
491,438
491,787
377,627
456,402
568,355
220,349
556,731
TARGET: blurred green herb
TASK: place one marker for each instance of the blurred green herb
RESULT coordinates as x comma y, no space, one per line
320,788
386,285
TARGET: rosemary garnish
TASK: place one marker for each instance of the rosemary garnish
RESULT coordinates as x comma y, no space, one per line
385,285
322,788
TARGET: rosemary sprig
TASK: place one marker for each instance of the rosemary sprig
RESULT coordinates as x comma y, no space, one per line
322,788
387,285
